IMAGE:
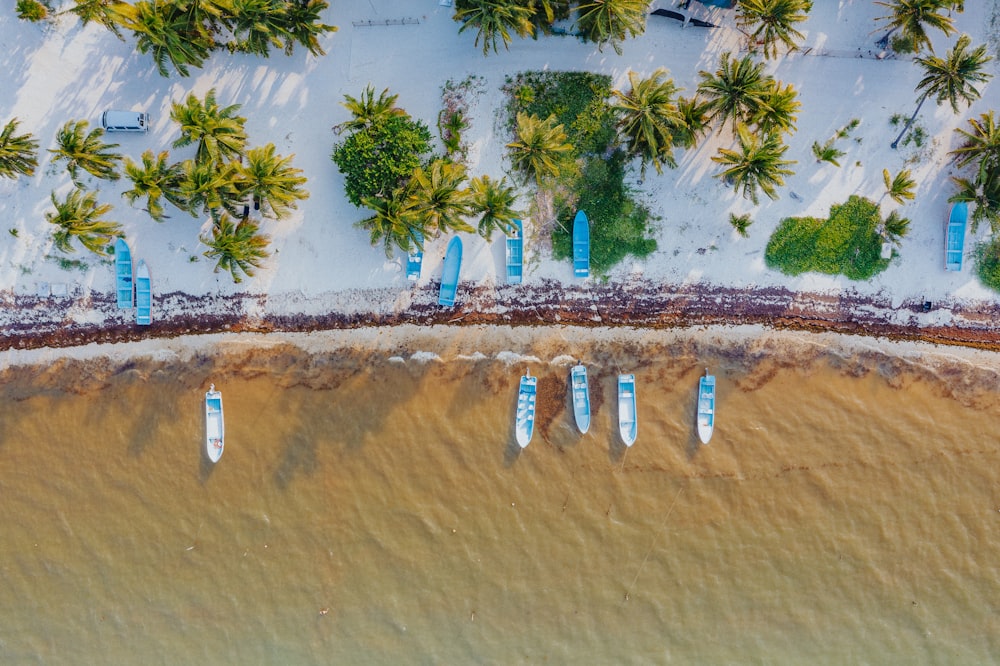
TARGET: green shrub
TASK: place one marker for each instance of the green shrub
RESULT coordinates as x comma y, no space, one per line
846,243
988,263
378,159
31,10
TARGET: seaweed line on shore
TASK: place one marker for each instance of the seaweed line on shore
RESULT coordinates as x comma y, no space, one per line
34,322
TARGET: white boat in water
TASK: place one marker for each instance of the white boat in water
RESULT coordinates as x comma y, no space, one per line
524,423
580,389
628,424
215,426
706,407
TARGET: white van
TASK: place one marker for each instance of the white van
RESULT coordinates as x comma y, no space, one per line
125,121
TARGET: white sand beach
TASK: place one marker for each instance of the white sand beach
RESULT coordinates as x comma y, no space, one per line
322,264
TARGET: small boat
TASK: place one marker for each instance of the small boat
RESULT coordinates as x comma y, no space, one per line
449,274
581,245
954,246
415,257
515,254
124,279
143,295
627,418
706,407
581,397
524,423
215,426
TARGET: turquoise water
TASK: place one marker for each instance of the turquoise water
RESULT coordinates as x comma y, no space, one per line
372,507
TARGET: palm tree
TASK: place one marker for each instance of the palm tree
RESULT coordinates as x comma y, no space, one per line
494,200
300,23
912,18
899,188
367,111
896,227
693,124
951,78
758,164
85,150
271,179
18,153
218,131
982,144
495,19
79,216
648,116
772,21
154,179
984,194
436,197
538,145
394,223
611,21
236,246
169,33
207,187
105,12
737,91
779,111
256,25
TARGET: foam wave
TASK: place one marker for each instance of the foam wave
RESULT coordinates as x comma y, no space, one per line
424,357
563,359
511,358
475,356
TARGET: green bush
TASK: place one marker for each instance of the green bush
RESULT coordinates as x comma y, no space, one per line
31,10
988,263
845,244
378,159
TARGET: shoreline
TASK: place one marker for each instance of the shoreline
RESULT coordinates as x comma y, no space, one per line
641,305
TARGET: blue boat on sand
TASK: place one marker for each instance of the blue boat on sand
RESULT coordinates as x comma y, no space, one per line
143,295
449,274
581,245
628,424
415,258
580,388
954,246
524,423
706,407
124,277
515,254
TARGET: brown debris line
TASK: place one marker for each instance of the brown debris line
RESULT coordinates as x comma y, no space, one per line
40,323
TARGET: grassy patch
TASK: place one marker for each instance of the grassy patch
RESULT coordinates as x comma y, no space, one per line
593,180
846,243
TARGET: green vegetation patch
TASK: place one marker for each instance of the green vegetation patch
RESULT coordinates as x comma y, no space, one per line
592,175
988,263
847,243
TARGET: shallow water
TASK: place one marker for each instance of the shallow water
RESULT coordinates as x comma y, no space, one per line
375,509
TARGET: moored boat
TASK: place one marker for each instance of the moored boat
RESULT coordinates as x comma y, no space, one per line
580,389
215,426
449,273
415,258
124,277
954,246
524,422
515,254
628,424
706,407
581,245
143,295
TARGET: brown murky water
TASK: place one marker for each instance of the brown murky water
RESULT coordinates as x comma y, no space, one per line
376,510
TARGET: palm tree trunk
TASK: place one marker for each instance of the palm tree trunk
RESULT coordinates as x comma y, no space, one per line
909,123
884,40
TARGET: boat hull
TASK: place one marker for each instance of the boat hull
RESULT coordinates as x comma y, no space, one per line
524,423
954,242
581,245
449,273
706,408
580,389
628,425
215,425
515,254
124,275
143,295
